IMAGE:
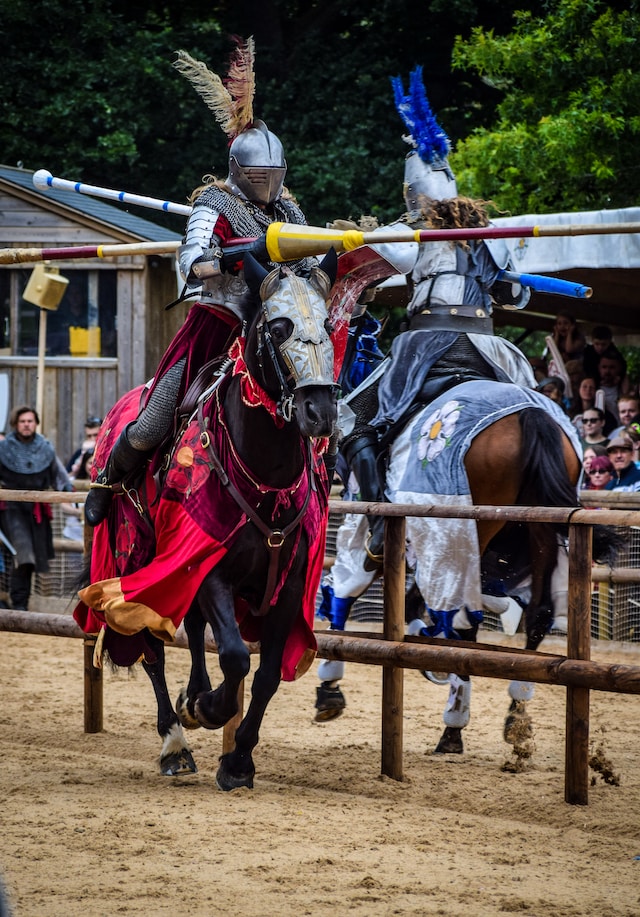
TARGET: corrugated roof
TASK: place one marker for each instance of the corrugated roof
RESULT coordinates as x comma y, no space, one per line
118,217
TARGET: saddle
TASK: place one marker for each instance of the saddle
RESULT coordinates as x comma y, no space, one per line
461,363
203,380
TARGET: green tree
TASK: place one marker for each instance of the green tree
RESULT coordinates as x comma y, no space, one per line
567,123
91,94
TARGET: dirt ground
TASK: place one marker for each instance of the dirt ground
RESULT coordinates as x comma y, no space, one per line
88,827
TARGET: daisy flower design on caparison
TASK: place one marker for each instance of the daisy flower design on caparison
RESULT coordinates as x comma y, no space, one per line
437,430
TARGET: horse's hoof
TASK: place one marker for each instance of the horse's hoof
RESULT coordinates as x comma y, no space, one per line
178,763
330,702
450,742
183,714
227,781
518,725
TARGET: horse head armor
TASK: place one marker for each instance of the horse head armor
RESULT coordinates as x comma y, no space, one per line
307,350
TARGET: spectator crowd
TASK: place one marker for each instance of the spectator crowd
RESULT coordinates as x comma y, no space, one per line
589,380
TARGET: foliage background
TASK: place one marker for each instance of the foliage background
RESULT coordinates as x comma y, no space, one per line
540,99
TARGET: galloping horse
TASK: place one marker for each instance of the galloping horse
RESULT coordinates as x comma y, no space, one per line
231,530
483,443
491,443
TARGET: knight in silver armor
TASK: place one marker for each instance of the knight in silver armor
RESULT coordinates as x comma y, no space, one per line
454,286
243,205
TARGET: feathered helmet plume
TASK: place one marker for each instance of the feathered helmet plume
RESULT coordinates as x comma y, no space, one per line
425,134
427,170
257,166
231,99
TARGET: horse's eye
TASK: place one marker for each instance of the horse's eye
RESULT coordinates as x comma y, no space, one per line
280,330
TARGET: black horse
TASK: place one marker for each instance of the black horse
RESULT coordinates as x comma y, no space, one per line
245,481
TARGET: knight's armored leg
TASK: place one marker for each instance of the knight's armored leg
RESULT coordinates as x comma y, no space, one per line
123,459
361,453
135,443
330,701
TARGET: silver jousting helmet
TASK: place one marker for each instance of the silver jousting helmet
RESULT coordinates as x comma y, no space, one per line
434,180
427,171
257,166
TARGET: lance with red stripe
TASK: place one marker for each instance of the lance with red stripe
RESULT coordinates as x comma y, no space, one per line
290,242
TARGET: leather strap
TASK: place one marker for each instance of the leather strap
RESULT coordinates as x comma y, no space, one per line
198,386
274,538
453,318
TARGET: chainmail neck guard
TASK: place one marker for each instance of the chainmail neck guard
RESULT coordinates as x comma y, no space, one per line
249,220
26,457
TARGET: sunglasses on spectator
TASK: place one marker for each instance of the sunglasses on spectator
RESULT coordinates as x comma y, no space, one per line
599,471
590,419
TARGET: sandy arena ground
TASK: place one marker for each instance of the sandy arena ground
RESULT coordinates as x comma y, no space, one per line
88,827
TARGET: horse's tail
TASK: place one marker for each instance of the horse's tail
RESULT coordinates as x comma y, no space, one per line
545,479
83,577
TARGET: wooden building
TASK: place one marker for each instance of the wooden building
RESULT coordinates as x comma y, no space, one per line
110,328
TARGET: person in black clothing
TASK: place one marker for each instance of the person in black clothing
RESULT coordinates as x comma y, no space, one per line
27,462
601,340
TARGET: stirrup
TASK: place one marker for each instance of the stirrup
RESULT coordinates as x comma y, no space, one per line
376,558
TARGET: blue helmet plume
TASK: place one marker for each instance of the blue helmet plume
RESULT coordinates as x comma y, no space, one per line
427,136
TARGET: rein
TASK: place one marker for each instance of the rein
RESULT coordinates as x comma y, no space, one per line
265,341
274,537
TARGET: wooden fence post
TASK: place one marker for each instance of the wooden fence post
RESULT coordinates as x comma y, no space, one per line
392,677
576,790
93,695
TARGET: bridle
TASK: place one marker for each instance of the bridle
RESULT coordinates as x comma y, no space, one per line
306,336
287,383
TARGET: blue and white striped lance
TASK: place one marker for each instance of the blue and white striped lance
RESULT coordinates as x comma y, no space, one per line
42,179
